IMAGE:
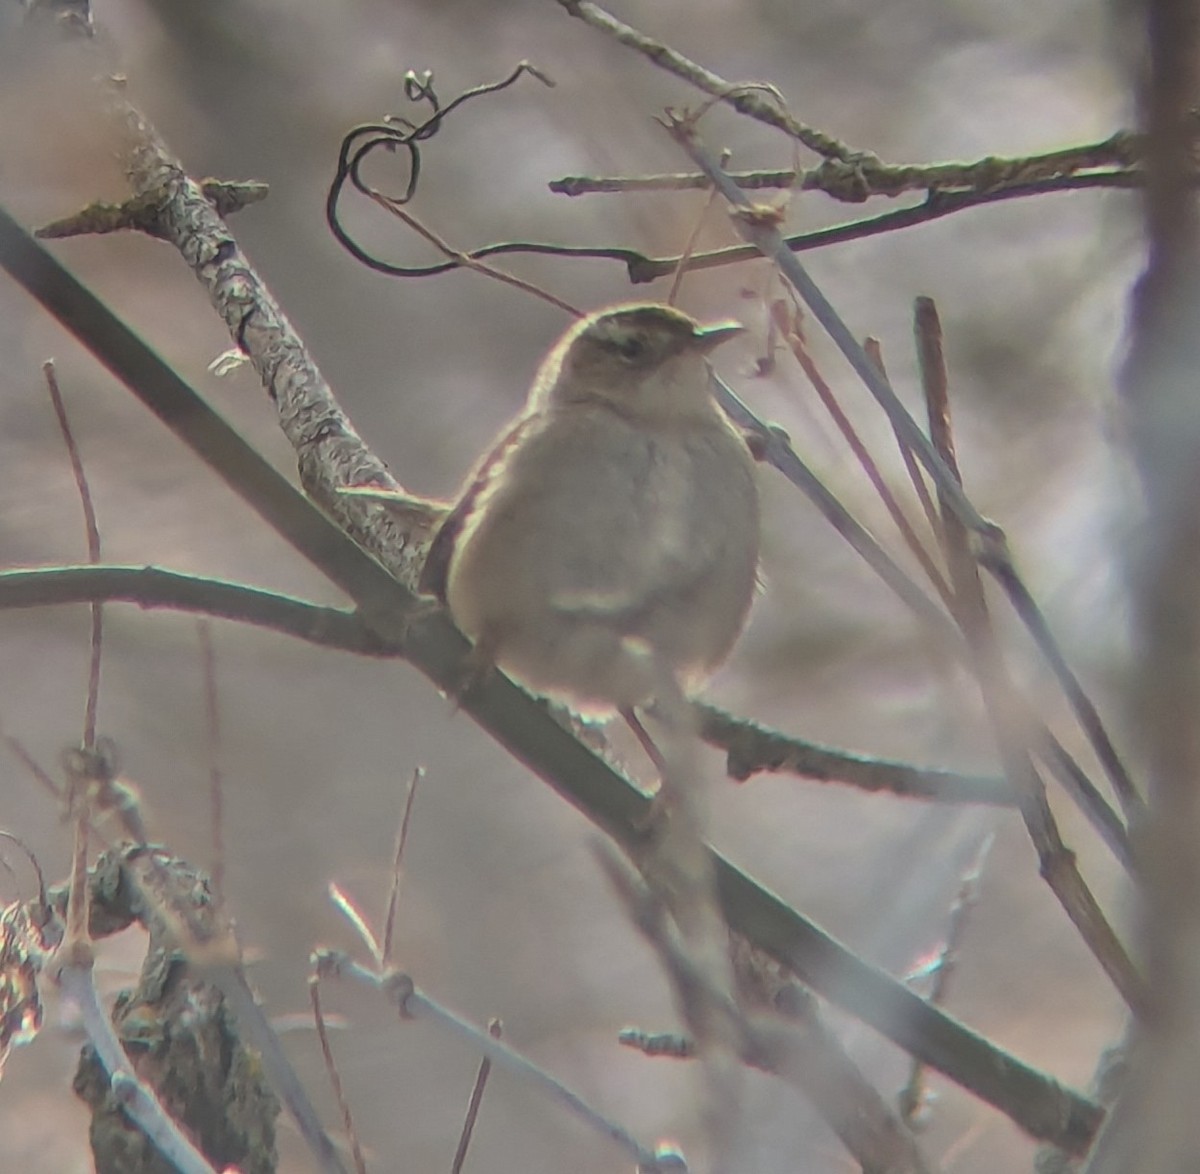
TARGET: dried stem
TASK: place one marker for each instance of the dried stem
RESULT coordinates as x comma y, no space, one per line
915,1097
751,748
1122,149
93,550
810,1059
393,902
413,1003
495,1030
745,98
1010,726
466,260
790,327
335,1079
689,247
136,1098
759,227
216,786
875,353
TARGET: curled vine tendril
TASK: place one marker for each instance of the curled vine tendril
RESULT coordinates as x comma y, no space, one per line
399,133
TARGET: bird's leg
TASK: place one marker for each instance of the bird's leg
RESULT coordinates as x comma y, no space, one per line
644,740
475,669
657,812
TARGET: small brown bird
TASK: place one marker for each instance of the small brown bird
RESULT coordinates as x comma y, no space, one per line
611,533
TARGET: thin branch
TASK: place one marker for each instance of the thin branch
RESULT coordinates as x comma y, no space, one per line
745,100
642,269
139,213
466,260
759,227
751,748
874,350
659,1043
335,1079
93,550
915,1097
1010,728
495,1030
1000,565
775,449
152,587
77,945
413,1003
1083,792
935,206
689,245
809,1059
790,327
396,135
393,902
872,177
136,1099
18,750
216,787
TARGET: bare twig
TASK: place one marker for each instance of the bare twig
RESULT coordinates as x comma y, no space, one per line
760,228
1088,716
393,902
413,1003
335,1079
139,214
915,1097
875,353
641,269
76,947
216,787
495,1030
751,748
776,450
154,587
690,245
809,1059
17,749
790,326
466,260
93,550
1010,726
346,906
135,1098
399,134
659,1043
1122,149
746,100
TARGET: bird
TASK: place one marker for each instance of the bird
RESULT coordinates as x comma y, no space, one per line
610,533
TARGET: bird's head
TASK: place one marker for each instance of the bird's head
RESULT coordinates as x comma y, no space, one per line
645,360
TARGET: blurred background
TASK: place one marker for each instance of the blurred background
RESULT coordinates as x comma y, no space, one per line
504,912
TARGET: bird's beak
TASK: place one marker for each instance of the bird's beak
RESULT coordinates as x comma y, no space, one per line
707,338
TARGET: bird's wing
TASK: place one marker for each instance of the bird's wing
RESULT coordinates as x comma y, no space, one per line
436,570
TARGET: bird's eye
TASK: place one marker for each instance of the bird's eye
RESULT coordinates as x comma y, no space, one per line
631,347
